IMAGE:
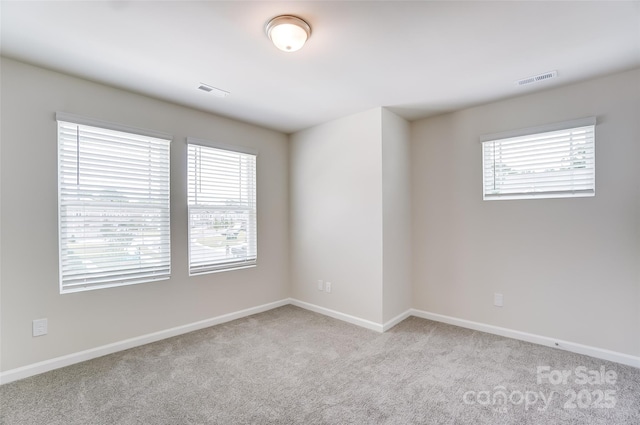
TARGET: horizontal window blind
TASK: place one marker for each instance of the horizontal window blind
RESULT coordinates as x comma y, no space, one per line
222,209
559,163
113,196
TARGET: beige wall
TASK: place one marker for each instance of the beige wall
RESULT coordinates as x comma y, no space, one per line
336,214
568,268
396,216
351,215
29,247
340,202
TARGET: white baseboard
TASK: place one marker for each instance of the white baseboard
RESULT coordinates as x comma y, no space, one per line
399,318
58,362
573,347
338,315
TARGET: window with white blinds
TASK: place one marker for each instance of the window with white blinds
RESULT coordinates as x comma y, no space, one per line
547,164
222,208
113,198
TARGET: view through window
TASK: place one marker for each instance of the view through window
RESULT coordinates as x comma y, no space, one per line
222,209
113,196
551,164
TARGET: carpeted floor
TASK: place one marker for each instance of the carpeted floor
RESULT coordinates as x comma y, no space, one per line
291,366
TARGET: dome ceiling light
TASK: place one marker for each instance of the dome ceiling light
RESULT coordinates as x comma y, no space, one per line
287,32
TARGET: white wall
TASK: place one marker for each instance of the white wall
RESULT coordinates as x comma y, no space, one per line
29,262
336,214
396,213
568,268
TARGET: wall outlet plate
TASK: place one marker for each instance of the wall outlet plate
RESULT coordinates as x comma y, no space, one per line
498,300
328,287
40,327
320,285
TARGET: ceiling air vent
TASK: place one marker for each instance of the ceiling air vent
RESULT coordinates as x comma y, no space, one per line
537,78
213,90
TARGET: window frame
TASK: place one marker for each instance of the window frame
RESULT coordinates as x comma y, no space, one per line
221,266
534,131
114,276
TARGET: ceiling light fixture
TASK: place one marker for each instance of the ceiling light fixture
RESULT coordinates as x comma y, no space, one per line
287,32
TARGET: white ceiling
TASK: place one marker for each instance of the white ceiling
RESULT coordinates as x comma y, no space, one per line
420,58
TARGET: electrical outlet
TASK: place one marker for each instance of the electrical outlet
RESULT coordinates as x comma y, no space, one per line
320,285
328,287
498,300
40,327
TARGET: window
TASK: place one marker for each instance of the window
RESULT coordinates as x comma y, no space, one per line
113,200
551,162
222,208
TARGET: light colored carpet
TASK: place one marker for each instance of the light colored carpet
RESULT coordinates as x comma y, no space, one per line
291,366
